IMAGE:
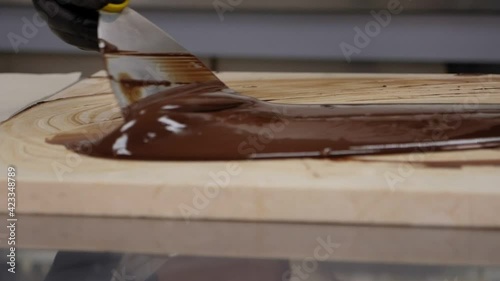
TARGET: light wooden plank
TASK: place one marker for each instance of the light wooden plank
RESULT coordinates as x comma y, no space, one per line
55,181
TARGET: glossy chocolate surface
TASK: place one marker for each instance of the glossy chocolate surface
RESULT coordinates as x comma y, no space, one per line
208,121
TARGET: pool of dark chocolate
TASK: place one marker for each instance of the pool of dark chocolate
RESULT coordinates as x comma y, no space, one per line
208,121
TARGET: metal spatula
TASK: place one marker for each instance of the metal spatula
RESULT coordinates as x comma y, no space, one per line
141,59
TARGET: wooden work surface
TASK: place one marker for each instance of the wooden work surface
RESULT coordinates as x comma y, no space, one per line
393,189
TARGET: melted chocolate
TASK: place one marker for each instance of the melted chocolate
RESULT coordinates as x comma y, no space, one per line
208,121
131,88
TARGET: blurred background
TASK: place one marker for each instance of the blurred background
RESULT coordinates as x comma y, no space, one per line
425,36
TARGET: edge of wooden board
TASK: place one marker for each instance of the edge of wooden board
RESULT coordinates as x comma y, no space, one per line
358,190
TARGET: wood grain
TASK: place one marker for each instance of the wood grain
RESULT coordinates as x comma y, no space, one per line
397,189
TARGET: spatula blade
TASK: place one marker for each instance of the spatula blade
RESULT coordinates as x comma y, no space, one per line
143,60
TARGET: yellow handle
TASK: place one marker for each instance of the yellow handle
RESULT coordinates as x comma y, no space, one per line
116,8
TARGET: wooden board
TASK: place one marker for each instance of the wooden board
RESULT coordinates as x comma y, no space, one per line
397,189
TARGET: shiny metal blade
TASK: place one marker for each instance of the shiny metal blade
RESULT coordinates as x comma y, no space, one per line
142,60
